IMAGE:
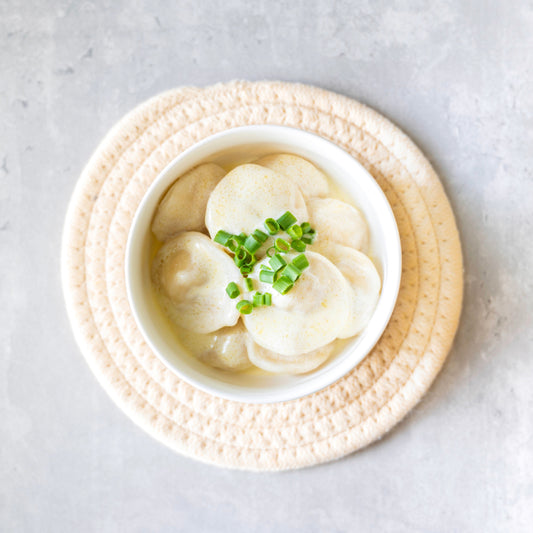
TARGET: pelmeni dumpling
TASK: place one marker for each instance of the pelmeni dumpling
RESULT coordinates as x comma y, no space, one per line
183,206
338,221
247,196
287,364
191,273
308,317
225,348
312,182
364,280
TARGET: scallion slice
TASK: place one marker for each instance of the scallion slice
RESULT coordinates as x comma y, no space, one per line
232,290
222,237
258,299
306,227
298,245
286,220
245,269
250,259
240,257
300,262
261,236
267,276
267,299
295,232
283,285
249,283
306,239
292,272
240,238
271,251
277,262
245,307
282,245
252,244
271,226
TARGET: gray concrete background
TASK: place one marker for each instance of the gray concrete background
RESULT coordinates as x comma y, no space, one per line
457,76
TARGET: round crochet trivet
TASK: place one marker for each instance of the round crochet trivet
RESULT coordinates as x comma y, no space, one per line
349,414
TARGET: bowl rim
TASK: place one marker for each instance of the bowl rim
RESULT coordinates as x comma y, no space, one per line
393,274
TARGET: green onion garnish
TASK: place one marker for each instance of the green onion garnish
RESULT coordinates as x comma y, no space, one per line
258,299
252,244
292,272
265,267
283,285
282,245
232,290
300,262
240,257
245,269
240,238
249,283
277,262
306,239
271,226
232,244
222,237
250,259
306,227
271,251
261,236
295,232
298,245
286,220
245,307
267,276
267,298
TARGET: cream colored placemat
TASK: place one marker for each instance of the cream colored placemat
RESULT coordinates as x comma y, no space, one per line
348,415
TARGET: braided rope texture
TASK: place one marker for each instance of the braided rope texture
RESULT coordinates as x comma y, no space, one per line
348,415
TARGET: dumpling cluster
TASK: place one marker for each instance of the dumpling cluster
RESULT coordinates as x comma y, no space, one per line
334,298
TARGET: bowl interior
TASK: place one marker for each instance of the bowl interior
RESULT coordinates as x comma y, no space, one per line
241,145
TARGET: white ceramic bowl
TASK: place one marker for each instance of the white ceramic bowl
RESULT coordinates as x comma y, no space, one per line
240,145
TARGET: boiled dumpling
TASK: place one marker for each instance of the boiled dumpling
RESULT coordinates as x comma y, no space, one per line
296,364
183,206
309,316
247,196
191,273
338,221
364,280
312,182
225,348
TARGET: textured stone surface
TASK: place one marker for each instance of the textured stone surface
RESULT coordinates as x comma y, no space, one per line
456,76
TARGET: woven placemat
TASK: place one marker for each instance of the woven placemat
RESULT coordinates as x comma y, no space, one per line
349,414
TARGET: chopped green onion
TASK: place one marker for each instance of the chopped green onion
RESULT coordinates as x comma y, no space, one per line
295,232
258,299
249,283
265,267
250,259
306,227
240,238
286,220
245,269
245,307
222,237
271,251
267,276
277,262
267,299
233,245
298,245
232,290
300,262
282,245
292,272
252,244
306,239
261,236
311,232
283,285
240,257
271,226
